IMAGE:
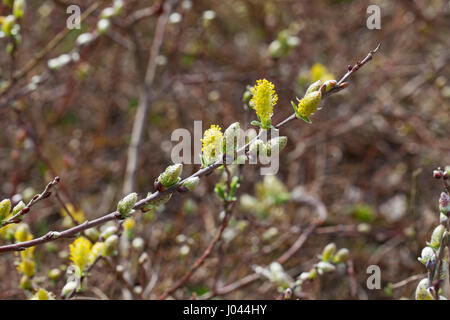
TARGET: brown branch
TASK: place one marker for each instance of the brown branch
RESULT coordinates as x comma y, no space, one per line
408,280
17,218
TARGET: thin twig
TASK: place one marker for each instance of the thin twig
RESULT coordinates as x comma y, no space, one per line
50,236
144,100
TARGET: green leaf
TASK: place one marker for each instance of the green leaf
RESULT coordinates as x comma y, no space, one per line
256,123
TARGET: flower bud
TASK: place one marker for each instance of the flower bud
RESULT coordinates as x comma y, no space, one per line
308,104
22,233
8,24
436,237
125,206
328,252
341,256
171,175
314,87
422,290
191,183
231,138
5,208
248,203
19,8
96,251
444,203
324,267
84,39
18,207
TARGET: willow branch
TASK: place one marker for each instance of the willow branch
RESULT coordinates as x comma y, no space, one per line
53,235
38,197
